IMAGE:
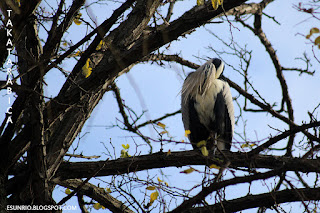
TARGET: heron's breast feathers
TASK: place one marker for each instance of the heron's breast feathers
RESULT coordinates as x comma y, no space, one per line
204,103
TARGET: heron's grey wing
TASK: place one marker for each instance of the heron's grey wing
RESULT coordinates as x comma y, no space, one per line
198,131
190,118
184,105
229,105
185,112
224,118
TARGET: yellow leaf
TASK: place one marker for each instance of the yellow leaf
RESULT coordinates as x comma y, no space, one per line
244,145
97,206
169,152
19,3
100,45
78,53
204,151
124,154
314,30
201,143
159,179
108,190
125,146
182,141
154,196
214,166
187,132
65,44
67,191
216,3
166,183
161,125
151,188
188,171
308,36
200,2
86,69
77,19
163,132
317,41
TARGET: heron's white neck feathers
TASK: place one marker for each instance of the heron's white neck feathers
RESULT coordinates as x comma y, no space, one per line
198,82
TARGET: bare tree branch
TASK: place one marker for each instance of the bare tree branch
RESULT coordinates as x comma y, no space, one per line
197,199
257,30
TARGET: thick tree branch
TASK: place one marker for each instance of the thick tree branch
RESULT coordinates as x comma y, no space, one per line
177,159
245,9
261,200
29,105
18,17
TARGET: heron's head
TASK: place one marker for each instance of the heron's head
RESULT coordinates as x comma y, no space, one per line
200,80
213,67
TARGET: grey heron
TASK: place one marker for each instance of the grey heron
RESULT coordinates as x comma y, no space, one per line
207,108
